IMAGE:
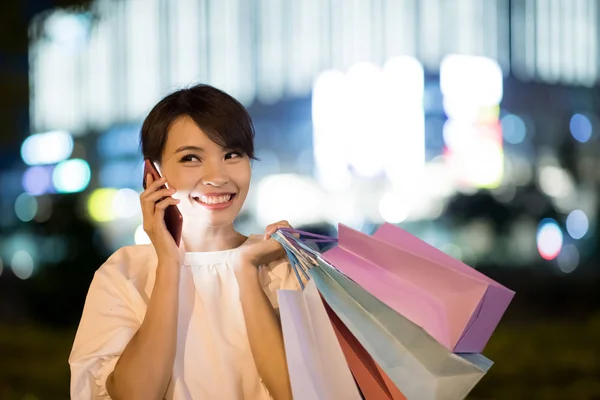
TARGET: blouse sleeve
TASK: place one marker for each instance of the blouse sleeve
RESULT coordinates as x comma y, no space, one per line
278,275
110,319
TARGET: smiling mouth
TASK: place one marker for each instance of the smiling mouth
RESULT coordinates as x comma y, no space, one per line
214,200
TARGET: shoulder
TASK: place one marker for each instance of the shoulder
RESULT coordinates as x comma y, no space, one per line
129,262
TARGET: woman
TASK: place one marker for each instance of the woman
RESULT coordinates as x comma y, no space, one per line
197,321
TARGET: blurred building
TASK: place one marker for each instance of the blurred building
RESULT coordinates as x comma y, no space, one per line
471,123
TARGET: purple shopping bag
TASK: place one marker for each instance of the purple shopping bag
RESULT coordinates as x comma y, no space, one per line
457,305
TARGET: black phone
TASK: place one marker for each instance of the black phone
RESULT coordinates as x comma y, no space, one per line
173,217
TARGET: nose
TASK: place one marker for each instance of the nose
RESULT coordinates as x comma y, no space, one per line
214,174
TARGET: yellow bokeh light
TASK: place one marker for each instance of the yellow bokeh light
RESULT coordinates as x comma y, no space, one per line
100,204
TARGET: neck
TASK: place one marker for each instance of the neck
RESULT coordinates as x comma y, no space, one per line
211,238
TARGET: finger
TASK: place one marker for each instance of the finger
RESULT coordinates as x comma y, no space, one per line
148,181
161,206
154,186
158,195
271,229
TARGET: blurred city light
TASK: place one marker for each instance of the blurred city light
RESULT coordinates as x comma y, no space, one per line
47,148
26,207
68,29
393,208
404,121
568,259
472,88
472,80
304,201
38,180
269,163
577,224
22,264
54,248
44,208
555,181
581,128
475,153
119,141
384,105
329,119
549,239
71,176
452,250
126,203
100,204
122,174
513,129
140,236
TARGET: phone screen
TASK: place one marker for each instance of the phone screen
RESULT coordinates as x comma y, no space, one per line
173,217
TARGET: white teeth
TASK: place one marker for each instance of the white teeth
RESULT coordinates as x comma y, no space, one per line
215,199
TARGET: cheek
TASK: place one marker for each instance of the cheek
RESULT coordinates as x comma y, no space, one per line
180,178
242,179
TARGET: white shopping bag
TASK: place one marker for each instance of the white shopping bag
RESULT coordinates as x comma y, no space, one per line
316,363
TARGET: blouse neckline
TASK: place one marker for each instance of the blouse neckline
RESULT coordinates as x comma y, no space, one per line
196,258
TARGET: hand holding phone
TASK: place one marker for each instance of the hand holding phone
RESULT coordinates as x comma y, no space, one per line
157,202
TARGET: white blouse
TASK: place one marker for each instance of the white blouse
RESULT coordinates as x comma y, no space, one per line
213,359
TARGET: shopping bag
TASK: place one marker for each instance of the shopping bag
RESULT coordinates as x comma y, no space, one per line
373,382
316,363
457,305
370,378
417,364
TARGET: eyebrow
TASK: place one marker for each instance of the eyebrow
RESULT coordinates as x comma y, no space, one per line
186,148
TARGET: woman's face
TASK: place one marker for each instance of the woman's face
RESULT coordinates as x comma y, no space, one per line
212,182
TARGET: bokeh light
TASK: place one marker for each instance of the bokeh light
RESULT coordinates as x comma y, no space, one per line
26,207
555,181
140,236
37,180
452,250
47,148
121,174
54,248
549,239
581,128
71,176
304,204
568,259
577,224
68,29
473,80
100,204
513,129
22,264
393,208
44,208
126,203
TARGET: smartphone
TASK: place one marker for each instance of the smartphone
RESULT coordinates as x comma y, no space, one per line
173,217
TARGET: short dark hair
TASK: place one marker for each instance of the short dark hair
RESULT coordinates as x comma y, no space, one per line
224,120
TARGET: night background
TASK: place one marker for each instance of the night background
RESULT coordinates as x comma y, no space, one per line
473,124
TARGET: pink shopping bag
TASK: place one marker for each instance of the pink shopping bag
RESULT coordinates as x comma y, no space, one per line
457,305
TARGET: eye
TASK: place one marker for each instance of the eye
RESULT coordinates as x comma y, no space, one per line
233,154
189,158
